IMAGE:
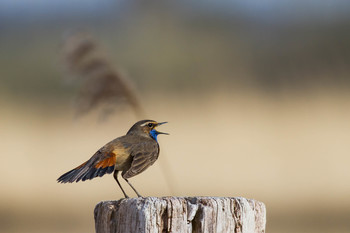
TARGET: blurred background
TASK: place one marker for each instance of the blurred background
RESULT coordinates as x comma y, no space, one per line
256,94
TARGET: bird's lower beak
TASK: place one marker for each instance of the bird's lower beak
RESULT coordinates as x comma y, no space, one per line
161,123
162,133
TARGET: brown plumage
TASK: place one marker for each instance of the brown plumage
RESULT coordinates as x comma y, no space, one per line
131,154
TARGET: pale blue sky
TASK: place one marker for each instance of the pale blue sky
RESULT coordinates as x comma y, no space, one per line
264,9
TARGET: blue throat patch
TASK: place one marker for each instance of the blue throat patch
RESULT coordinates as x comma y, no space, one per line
153,133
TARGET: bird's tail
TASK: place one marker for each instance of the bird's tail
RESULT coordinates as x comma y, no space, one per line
88,170
74,174
99,164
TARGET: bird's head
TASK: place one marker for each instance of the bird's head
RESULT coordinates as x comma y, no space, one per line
147,128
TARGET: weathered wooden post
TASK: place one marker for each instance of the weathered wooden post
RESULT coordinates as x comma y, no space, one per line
180,214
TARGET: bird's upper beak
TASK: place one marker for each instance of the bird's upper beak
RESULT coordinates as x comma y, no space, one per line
161,123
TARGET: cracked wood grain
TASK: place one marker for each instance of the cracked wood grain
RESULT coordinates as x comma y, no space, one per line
180,214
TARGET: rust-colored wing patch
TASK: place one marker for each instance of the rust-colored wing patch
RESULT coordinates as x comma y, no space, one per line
108,162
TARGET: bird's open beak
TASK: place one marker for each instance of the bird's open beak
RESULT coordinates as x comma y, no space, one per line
161,123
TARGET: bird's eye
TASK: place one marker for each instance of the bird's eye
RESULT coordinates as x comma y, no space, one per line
150,125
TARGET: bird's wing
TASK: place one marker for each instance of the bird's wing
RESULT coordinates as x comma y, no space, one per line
102,162
144,155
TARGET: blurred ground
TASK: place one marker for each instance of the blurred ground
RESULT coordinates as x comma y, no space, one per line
289,151
256,96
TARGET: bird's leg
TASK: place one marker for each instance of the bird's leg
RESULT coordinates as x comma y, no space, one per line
116,178
133,188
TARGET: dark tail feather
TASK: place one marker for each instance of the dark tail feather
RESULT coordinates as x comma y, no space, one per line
65,177
84,172
70,176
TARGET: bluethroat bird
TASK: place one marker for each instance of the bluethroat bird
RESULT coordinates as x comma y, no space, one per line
131,154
